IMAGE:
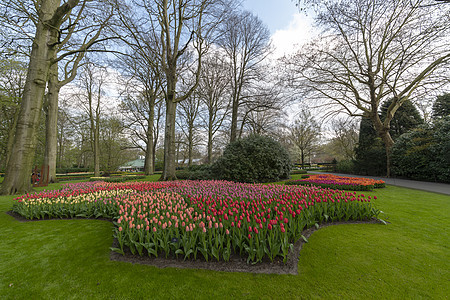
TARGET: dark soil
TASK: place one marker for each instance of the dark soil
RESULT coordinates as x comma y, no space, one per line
236,263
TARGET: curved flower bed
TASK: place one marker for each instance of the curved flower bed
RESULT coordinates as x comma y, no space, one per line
339,182
209,219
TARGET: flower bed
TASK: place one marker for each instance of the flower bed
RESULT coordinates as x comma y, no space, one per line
339,182
193,219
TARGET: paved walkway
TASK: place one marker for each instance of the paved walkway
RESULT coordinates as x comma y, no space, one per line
442,188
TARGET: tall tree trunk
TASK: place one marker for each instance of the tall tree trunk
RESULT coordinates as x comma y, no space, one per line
154,157
51,125
97,147
169,140
234,116
388,144
210,141
302,154
190,144
18,170
384,134
149,163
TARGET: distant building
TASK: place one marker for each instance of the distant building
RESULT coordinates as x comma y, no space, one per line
133,166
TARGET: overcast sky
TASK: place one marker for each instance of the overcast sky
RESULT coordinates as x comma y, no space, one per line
288,27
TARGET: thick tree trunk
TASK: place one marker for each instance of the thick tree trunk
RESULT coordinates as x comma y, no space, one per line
18,170
388,144
169,141
384,134
51,125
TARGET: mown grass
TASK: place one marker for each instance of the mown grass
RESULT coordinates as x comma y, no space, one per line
409,258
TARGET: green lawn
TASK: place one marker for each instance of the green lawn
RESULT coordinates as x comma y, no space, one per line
408,258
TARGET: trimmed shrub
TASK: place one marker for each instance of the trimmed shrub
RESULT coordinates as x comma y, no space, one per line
253,159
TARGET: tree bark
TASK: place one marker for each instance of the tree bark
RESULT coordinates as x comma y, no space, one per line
97,144
190,144
17,178
169,140
51,125
384,134
149,162
210,141
94,120
234,113
302,154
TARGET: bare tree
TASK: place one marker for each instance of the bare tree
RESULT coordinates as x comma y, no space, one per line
113,144
188,112
84,31
304,133
182,27
262,113
264,122
213,92
47,32
65,130
345,138
245,40
92,81
50,15
373,51
145,88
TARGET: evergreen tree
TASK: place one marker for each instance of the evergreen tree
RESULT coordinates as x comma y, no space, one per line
406,118
441,107
370,152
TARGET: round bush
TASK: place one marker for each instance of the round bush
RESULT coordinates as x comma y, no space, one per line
253,159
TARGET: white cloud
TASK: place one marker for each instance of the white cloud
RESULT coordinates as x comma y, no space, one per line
287,41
